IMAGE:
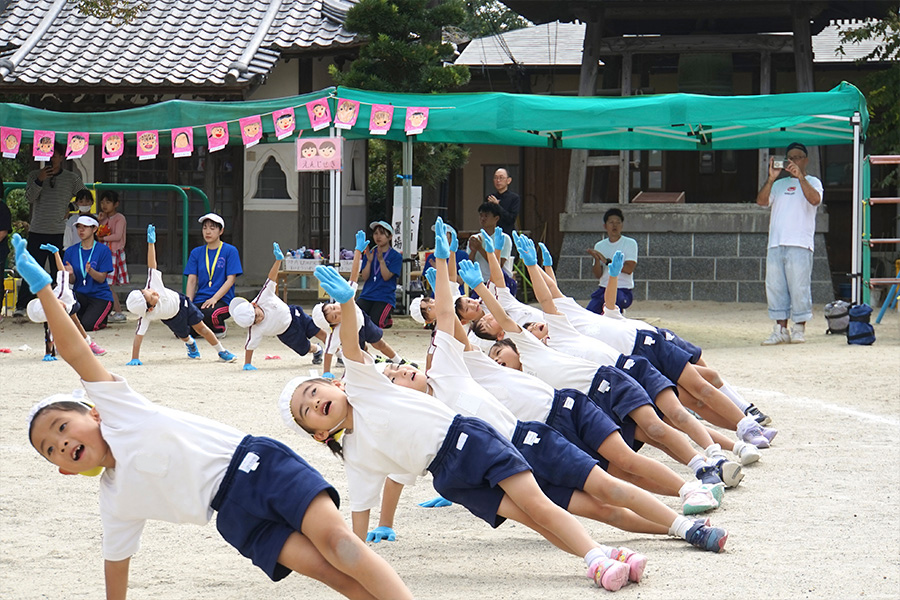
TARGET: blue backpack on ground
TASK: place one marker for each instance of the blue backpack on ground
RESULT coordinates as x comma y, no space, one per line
860,330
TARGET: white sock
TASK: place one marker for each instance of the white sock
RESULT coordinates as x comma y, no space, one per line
87,338
688,487
734,397
680,527
745,423
595,553
697,463
219,347
714,452
190,340
395,359
739,447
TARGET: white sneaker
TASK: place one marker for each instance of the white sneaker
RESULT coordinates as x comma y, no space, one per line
798,332
117,318
780,335
746,453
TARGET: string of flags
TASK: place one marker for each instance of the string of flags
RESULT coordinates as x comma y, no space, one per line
182,139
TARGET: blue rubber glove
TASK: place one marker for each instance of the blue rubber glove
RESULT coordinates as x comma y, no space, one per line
361,241
470,273
431,276
33,274
454,239
526,250
327,375
134,362
335,285
381,533
498,238
441,245
487,242
49,248
151,234
48,358
545,255
276,250
615,266
439,502
249,367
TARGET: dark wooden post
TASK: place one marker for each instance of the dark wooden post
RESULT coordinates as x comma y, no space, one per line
590,58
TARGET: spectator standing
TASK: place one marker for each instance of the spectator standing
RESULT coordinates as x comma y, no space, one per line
509,202
602,253
381,269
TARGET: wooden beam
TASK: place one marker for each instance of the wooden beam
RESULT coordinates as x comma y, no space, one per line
765,88
665,44
624,155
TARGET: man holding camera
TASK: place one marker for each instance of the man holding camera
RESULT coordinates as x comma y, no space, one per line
789,258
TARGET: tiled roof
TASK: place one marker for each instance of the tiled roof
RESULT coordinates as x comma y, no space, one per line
560,44
174,43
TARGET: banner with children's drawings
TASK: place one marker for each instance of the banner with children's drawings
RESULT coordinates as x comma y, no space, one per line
313,154
319,154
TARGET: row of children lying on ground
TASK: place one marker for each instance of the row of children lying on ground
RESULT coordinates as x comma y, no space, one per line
385,421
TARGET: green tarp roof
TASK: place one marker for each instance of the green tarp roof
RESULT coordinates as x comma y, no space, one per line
659,122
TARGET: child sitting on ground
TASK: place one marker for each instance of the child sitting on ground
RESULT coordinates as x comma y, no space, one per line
180,315
165,464
267,314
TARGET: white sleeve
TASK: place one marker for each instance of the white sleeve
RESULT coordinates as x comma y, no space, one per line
630,249
406,479
364,486
155,281
121,539
333,339
143,325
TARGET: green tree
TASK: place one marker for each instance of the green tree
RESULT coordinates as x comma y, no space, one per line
490,17
405,52
114,11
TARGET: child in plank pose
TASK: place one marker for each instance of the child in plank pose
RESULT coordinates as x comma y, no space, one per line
327,315
88,264
165,464
569,476
63,292
157,302
380,429
267,314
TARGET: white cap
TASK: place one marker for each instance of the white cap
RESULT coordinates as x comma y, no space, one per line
284,403
384,224
35,311
136,303
318,317
415,310
87,220
243,313
73,397
212,217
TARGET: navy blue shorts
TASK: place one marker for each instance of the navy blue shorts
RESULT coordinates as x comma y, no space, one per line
694,351
75,308
263,498
473,459
188,315
617,394
624,299
581,422
640,369
370,332
559,466
669,359
296,336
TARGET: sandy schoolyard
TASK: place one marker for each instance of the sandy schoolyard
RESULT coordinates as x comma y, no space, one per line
817,517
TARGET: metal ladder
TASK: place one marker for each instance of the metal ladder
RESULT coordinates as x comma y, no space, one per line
868,241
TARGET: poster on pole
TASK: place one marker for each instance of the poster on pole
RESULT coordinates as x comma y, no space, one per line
319,154
414,215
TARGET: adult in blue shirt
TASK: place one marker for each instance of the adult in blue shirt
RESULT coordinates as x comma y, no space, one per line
211,270
88,263
381,269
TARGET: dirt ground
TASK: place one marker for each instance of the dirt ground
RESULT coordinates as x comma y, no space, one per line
817,517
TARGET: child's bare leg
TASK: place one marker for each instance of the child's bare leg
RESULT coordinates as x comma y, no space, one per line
726,442
641,436
383,347
710,375
327,530
511,510
609,490
665,435
619,454
704,392
207,333
79,326
586,505
687,400
300,555
642,482
681,419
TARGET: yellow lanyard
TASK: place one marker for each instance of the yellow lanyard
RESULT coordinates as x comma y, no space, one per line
210,271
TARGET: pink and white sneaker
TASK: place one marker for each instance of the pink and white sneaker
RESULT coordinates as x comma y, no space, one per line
636,562
97,350
608,574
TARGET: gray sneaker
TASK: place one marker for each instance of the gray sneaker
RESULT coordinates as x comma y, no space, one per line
798,333
780,335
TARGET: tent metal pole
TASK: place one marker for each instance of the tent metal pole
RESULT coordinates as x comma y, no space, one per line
335,209
407,214
855,274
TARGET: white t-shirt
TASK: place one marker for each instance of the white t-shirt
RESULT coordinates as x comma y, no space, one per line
453,385
628,246
793,218
63,290
277,316
517,311
169,464
551,366
567,339
527,397
505,252
617,333
395,431
166,307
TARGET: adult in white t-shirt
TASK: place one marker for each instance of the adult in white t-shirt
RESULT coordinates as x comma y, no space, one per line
603,252
789,258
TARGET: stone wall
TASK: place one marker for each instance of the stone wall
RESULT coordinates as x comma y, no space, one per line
711,252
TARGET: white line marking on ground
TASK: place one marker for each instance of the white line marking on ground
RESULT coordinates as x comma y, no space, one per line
827,406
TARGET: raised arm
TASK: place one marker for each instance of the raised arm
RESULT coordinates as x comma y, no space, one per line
276,266
547,260
69,341
151,246
445,314
762,197
612,287
527,251
471,274
55,251
492,247
339,289
361,243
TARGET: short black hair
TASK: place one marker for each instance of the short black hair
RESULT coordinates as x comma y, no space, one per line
489,207
481,332
505,343
613,212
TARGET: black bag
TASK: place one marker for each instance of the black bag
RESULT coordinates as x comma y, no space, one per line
860,331
837,314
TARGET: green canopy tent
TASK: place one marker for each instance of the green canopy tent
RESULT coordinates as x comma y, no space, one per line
658,122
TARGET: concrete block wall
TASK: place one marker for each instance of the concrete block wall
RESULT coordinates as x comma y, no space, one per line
687,253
